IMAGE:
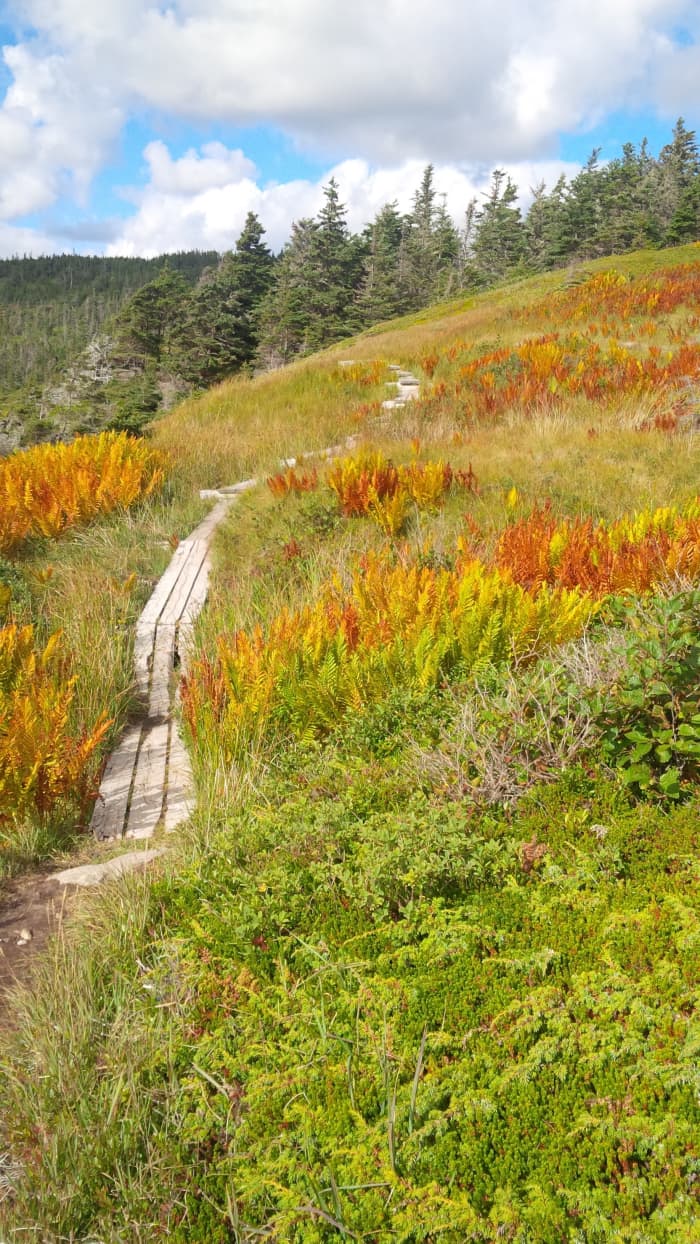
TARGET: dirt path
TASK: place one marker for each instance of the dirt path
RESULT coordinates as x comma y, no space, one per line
30,911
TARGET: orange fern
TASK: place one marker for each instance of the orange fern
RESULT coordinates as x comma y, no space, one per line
48,489
43,761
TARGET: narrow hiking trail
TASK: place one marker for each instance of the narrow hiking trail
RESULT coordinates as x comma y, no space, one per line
147,784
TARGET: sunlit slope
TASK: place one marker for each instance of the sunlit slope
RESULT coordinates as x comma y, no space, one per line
531,433
233,429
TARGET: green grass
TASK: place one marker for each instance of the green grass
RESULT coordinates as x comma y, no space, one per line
244,426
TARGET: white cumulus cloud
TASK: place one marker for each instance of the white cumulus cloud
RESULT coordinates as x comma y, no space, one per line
384,81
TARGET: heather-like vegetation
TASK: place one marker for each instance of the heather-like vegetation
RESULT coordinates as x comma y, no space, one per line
424,967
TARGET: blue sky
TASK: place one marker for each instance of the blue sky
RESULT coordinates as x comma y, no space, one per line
128,126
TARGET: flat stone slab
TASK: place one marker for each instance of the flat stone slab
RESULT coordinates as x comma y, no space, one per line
232,490
227,490
96,874
407,388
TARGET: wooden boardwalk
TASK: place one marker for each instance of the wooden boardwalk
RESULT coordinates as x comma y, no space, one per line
147,782
148,779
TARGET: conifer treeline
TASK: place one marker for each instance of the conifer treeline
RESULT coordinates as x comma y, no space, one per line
253,309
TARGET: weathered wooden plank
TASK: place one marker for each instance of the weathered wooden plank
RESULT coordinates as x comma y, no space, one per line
232,490
161,593
197,598
206,528
163,658
180,594
198,594
179,798
185,644
109,813
180,565
143,656
178,810
149,782
179,758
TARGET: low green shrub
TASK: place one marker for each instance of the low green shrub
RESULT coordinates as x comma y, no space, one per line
650,716
366,1015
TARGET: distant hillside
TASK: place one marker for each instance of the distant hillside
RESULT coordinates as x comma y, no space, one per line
50,308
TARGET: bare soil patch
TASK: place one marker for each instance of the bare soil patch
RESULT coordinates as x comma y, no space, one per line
31,909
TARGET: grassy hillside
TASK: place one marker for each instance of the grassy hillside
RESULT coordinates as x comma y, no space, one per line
424,966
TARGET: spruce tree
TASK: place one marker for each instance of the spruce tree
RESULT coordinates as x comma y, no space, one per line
209,340
431,251
584,211
679,162
544,227
150,314
650,227
468,275
334,263
499,241
380,295
217,332
624,218
285,309
446,246
421,254
685,222
681,156
248,269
